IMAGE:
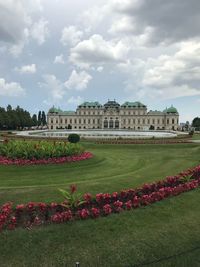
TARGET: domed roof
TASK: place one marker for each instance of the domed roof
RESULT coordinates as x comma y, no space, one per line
111,104
171,110
55,110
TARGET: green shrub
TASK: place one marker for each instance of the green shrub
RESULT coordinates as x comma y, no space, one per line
38,150
73,138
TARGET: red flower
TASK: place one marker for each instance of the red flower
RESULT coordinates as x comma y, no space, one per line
115,194
87,197
84,213
128,205
95,212
73,188
118,205
20,207
107,209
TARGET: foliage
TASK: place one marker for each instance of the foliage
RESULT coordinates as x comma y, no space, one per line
196,123
72,198
38,150
73,138
12,119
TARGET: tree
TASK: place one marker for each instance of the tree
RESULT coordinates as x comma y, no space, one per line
43,118
39,118
196,123
34,120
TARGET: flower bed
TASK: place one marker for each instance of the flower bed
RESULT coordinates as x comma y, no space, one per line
33,152
20,162
103,204
142,141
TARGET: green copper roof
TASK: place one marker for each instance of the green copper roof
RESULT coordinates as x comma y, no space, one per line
68,112
155,112
133,104
90,104
60,111
171,110
54,110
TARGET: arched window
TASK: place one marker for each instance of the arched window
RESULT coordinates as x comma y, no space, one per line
111,124
117,124
105,124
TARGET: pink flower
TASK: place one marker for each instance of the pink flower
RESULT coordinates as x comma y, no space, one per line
87,197
84,213
107,209
128,204
95,212
118,205
115,194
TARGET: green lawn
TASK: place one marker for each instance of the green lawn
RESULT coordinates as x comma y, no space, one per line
167,232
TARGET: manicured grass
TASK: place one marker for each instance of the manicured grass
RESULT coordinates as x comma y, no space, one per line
196,136
168,228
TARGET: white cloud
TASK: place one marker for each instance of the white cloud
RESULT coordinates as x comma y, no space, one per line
27,69
59,59
71,36
96,50
55,89
40,31
166,76
75,100
11,89
93,17
78,80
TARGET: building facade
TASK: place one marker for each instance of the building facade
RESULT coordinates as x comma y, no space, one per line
112,115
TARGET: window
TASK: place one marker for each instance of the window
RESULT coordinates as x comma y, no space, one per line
61,120
93,121
51,120
65,120
158,121
167,121
56,120
172,121
143,121
79,121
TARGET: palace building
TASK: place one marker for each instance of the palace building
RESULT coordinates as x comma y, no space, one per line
112,115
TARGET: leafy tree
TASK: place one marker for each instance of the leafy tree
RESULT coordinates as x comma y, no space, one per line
196,123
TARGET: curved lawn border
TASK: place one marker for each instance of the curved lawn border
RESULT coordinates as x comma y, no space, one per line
103,204
83,156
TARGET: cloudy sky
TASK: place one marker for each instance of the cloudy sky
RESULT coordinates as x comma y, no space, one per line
62,52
